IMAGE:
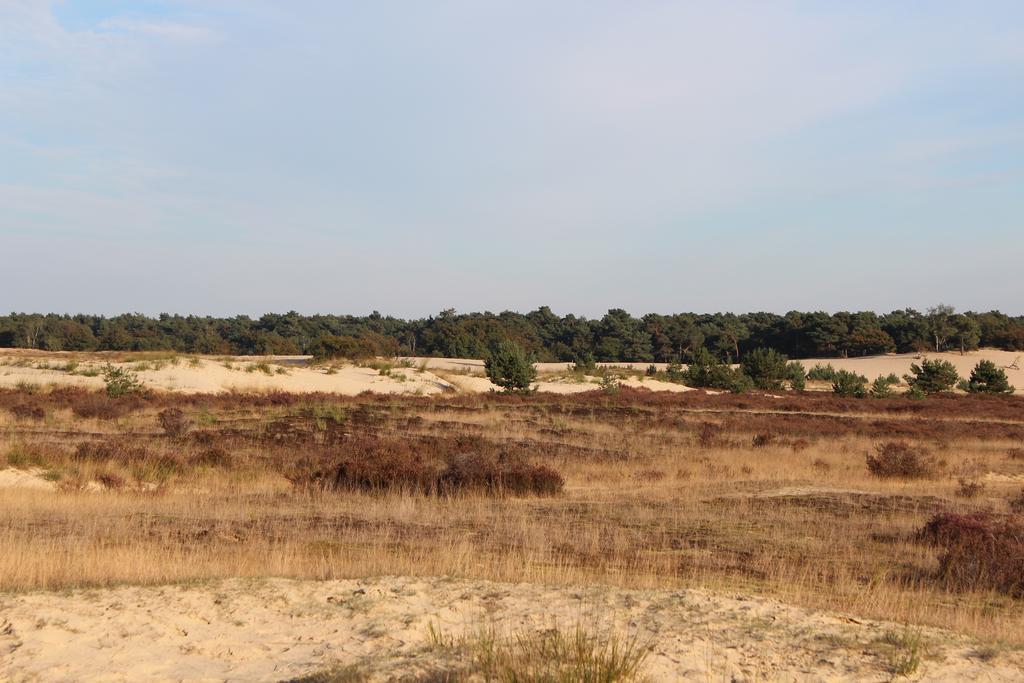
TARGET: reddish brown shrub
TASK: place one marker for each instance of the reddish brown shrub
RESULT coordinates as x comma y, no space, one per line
1015,453
978,551
173,421
102,407
763,440
970,489
425,465
499,476
709,434
110,481
1017,502
24,411
213,457
897,459
800,445
111,451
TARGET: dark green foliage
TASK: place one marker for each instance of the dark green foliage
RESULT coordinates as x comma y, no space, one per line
822,373
850,384
510,367
617,336
706,371
932,377
766,368
882,386
584,363
796,375
987,378
675,373
120,381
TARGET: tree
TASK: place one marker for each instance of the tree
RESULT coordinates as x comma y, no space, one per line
510,367
871,341
932,377
987,378
766,368
940,325
850,384
966,332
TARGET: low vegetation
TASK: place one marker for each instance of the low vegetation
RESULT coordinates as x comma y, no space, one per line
815,498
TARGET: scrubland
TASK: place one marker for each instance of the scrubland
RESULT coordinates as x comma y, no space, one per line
904,511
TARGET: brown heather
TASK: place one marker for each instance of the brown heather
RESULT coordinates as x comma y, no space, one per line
748,494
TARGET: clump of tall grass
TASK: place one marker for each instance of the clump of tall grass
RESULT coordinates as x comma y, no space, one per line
554,654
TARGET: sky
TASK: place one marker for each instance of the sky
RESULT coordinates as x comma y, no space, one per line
230,157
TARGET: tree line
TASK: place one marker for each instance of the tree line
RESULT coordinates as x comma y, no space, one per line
616,336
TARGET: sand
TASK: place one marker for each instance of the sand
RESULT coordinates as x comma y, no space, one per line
427,376
275,629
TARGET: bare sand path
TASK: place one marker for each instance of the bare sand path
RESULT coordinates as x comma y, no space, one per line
276,629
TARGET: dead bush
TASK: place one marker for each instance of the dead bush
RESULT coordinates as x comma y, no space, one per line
799,445
213,457
762,440
1015,453
978,551
969,489
425,465
110,481
119,452
709,434
102,407
499,476
898,459
174,422
649,475
1017,502
25,411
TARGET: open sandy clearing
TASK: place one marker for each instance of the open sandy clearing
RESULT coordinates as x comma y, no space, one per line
276,629
425,376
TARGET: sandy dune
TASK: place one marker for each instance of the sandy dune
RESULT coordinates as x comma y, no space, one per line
427,376
275,629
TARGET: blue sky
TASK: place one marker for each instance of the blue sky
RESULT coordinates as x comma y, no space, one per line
243,156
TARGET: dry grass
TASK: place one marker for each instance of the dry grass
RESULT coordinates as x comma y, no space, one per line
660,491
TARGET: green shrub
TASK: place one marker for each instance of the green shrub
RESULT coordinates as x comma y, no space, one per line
987,378
932,377
882,386
706,371
584,363
120,381
822,373
796,375
510,367
766,368
850,384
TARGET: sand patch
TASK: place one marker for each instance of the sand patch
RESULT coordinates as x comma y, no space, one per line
25,479
275,629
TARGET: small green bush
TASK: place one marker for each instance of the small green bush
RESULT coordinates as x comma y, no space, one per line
987,378
766,368
850,384
510,367
822,373
120,381
932,377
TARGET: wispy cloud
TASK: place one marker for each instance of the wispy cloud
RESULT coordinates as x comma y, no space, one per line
675,140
